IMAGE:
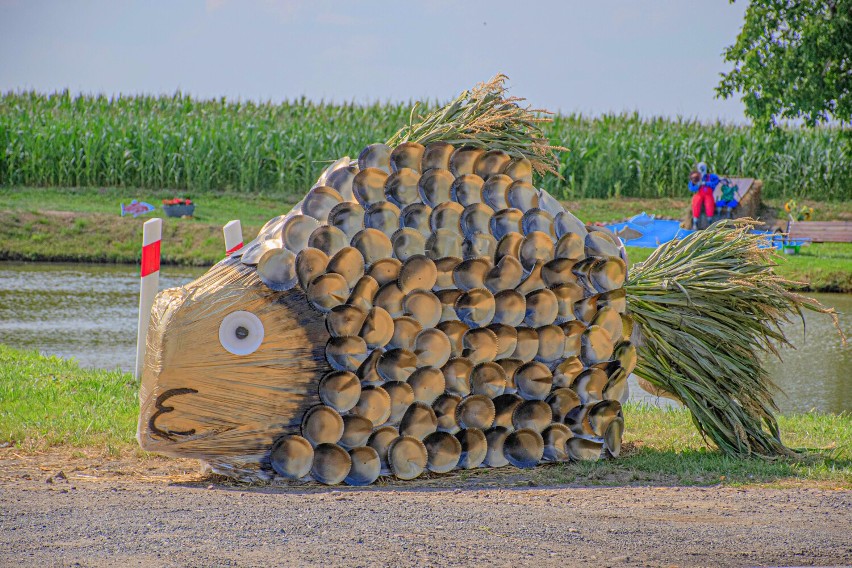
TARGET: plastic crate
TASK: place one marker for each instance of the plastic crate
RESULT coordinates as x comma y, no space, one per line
178,210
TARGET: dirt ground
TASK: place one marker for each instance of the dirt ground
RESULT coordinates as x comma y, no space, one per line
57,510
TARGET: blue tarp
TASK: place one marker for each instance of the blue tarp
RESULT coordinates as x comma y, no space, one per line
654,231
658,231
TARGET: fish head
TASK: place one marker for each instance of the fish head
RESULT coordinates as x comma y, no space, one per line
230,366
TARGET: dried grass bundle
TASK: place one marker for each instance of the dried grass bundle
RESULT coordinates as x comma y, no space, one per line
485,117
707,307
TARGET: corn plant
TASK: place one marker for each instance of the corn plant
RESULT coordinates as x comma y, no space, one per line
177,142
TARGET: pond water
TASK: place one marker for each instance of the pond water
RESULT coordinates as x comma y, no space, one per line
89,312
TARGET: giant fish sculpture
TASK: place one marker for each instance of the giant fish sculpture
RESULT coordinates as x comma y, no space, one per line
424,307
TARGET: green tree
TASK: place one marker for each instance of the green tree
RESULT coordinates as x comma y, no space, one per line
793,59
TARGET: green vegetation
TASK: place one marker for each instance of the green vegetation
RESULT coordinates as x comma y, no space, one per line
825,267
180,143
627,156
49,402
212,208
96,237
791,60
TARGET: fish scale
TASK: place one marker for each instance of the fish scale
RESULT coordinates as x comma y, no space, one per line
568,333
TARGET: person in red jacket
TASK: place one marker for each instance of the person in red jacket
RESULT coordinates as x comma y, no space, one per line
702,185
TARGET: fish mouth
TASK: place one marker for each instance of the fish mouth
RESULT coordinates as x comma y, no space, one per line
170,435
161,431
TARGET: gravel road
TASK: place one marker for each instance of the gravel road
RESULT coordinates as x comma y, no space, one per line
72,521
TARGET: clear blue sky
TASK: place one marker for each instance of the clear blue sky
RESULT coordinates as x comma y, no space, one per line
659,57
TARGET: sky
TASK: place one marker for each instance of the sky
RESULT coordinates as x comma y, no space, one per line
657,57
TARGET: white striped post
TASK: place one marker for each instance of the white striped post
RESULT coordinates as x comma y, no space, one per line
233,236
152,232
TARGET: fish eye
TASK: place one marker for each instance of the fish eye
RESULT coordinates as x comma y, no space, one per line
241,333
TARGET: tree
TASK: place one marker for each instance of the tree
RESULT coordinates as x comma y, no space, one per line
793,59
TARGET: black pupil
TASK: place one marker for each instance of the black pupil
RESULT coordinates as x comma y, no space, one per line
241,332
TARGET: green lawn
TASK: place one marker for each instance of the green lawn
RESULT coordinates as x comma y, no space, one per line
216,209
49,402
826,266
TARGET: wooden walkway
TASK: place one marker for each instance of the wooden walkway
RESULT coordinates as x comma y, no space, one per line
821,231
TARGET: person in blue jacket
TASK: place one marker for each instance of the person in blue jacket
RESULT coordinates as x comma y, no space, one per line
703,189
727,201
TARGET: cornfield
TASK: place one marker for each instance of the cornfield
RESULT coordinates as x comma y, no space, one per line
201,145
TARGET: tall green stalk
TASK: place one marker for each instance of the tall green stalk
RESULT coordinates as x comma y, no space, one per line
182,143
707,307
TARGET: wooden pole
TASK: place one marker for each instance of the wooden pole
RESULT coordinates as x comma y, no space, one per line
152,232
233,236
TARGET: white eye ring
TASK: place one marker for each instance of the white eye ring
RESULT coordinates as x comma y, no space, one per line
241,333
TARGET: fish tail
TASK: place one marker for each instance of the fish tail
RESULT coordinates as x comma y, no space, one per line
707,306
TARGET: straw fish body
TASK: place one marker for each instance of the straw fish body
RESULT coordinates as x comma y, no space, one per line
422,308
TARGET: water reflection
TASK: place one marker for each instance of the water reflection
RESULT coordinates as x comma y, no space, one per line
818,373
89,312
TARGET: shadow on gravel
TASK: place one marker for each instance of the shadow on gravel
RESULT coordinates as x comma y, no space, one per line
636,467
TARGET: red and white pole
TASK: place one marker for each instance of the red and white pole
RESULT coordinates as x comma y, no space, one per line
152,232
233,236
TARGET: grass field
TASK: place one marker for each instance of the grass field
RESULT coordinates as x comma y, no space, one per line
177,142
47,402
